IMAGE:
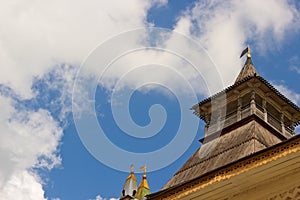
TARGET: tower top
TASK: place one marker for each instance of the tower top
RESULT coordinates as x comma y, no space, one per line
144,169
131,168
130,186
248,51
143,188
248,69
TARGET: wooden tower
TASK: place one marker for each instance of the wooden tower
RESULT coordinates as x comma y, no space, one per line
241,122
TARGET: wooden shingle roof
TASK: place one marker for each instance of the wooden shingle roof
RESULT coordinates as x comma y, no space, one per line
236,144
247,70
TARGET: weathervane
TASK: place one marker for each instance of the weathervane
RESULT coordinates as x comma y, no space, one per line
144,169
132,168
247,50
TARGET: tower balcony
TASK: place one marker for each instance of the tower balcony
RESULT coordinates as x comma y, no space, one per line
217,124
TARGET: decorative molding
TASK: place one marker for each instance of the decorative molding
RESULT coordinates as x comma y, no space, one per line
293,193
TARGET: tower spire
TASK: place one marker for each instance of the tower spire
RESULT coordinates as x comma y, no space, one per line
248,68
131,168
129,188
143,189
248,52
144,169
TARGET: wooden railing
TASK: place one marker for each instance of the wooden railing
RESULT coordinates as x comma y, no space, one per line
274,122
232,117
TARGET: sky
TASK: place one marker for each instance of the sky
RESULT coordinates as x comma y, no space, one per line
89,87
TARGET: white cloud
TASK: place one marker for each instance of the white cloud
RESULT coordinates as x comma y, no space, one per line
294,64
222,27
23,185
291,95
37,35
295,69
60,79
98,197
225,27
28,139
61,31
288,93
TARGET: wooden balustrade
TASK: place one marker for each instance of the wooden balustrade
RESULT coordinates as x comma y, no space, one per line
232,118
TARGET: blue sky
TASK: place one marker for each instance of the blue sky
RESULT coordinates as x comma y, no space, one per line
65,65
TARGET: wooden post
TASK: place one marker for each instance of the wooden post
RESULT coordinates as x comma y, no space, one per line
205,130
219,119
252,103
206,125
282,123
264,105
239,109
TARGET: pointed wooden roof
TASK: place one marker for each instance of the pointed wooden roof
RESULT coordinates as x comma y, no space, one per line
242,141
143,189
247,71
129,188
